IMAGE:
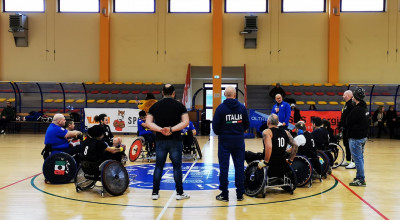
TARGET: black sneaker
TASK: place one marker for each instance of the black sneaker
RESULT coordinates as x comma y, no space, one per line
239,198
223,198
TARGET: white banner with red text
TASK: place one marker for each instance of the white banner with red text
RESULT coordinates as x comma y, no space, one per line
120,119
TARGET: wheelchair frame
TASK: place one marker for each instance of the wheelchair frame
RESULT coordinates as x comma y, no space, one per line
195,147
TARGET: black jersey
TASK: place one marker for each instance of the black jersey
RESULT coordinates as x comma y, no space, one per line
93,150
321,138
108,136
308,149
280,141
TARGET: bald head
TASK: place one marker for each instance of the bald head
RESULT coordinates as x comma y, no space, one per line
230,92
59,120
347,95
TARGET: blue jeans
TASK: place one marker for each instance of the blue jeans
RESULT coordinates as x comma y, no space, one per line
238,155
174,148
357,153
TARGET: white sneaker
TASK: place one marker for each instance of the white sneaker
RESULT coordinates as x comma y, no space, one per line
155,196
351,166
182,196
345,164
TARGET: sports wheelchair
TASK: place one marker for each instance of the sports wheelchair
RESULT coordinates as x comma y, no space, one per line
336,150
191,147
257,181
59,168
308,169
112,174
137,151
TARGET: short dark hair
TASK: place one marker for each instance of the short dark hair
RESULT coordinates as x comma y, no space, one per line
317,121
100,117
68,122
168,89
142,113
326,123
150,96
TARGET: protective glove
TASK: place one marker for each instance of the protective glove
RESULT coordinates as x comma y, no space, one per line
262,164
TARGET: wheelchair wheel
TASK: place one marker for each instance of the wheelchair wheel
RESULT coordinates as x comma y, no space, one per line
136,149
290,173
196,143
255,179
81,182
324,160
114,178
338,154
303,170
59,168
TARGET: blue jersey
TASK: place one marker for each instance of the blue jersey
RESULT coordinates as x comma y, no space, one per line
55,136
190,127
141,129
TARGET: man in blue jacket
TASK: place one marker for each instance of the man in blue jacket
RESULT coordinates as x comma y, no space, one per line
230,122
283,110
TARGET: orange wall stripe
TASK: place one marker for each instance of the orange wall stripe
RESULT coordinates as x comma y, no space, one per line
105,40
217,52
333,42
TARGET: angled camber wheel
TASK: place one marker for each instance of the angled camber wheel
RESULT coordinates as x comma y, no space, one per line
82,182
290,173
136,149
59,168
324,160
114,178
197,147
338,154
255,179
303,170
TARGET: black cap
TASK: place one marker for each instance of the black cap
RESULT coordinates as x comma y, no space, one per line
359,94
96,131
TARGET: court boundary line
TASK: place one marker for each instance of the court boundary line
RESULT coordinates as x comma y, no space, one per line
19,181
181,207
358,196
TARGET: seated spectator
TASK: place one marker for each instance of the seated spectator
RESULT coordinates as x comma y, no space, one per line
7,115
391,120
320,134
148,102
57,137
187,137
296,115
379,119
277,90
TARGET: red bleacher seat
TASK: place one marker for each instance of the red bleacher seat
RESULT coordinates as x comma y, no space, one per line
105,92
55,91
135,92
75,110
319,93
298,93
94,92
145,91
125,92
308,93
386,93
114,92
54,110
330,93
288,93
156,92
340,93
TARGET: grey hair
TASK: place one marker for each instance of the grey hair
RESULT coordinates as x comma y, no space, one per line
273,119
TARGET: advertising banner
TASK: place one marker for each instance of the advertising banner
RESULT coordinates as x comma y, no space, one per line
332,116
121,119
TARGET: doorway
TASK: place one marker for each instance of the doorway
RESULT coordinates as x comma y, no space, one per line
208,97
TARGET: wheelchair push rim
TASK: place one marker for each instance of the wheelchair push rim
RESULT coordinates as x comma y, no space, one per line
59,168
303,170
114,178
337,153
255,179
135,149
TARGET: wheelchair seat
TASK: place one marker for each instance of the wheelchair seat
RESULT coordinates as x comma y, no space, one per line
257,181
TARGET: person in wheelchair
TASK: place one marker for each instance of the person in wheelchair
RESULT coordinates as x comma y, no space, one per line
74,141
320,134
327,125
187,135
96,150
146,133
275,142
56,137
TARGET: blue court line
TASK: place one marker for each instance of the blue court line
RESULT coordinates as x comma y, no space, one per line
179,207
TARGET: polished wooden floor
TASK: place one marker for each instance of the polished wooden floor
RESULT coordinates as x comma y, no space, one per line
25,196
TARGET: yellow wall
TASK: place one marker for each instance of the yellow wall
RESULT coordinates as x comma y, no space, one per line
291,47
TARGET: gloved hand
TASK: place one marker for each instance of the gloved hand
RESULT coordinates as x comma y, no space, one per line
262,164
289,161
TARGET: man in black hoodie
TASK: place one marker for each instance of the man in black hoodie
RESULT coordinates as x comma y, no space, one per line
230,122
357,122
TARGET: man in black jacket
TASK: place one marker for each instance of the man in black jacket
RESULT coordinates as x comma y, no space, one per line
8,114
347,107
357,122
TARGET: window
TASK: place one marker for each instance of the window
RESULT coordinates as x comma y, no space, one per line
303,6
23,5
363,5
78,6
139,6
197,6
246,6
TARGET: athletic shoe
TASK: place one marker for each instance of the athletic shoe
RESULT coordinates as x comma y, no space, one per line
239,197
155,196
345,164
2,132
223,198
182,196
351,166
358,182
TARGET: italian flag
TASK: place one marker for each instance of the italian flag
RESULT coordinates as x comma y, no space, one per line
59,168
